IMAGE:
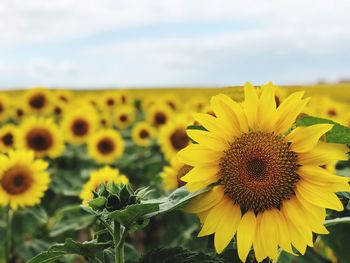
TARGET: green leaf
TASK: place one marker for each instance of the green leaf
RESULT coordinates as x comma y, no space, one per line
338,134
98,203
37,212
132,213
176,200
72,224
86,249
196,127
177,255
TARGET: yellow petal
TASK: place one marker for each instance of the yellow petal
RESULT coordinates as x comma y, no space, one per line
196,186
200,173
245,234
206,201
227,227
324,153
318,195
303,139
196,154
251,104
269,232
258,243
284,239
208,140
267,108
212,220
213,125
296,236
318,174
237,112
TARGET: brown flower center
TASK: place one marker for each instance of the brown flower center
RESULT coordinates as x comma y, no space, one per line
179,139
332,112
16,180
58,110
110,102
38,101
7,139
80,127
144,134
259,171
182,172
19,113
39,139
106,146
160,118
123,118
1,108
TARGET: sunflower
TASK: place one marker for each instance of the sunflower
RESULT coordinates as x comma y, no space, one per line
38,100
79,125
63,95
172,101
19,112
158,114
7,137
59,108
40,135
102,176
173,137
105,120
328,108
23,180
271,188
108,101
106,146
4,107
142,134
197,104
124,116
171,175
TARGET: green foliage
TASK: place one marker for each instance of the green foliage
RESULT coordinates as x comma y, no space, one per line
338,134
87,249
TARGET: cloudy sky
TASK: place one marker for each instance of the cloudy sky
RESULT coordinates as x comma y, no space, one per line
129,43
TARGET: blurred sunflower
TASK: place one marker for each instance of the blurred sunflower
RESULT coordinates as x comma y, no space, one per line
108,101
171,175
124,116
173,137
23,180
271,188
105,120
102,176
172,101
38,100
79,125
106,146
19,111
4,107
142,134
59,108
41,135
64,96
7,137
158,114
196,103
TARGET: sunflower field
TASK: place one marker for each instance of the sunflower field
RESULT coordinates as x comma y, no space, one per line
235,174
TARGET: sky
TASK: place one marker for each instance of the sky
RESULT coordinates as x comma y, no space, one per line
148,43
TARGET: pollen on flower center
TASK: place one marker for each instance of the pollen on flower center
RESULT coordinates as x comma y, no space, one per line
16,180
39,139
259,171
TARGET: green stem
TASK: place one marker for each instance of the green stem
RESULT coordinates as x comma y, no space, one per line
120,233
8,241
336,221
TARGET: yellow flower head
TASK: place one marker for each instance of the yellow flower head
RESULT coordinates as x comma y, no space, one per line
102,176
171,175
23,180
38,100
106,146
158,114
173,137
40,135
124,116
7,137
105,120
172,101
64,96
142,134
271,188
4,107
78,125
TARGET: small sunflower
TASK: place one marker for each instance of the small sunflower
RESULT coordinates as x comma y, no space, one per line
38,100
197,103
124,116
171,175
158,114
79,125
142,134
105,120
108,101
41,135
59,108
102,176
271,188
4,107
106,146
64,96
23,180
7,137
172,101
173,137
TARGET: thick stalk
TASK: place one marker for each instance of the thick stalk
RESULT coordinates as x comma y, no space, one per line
8,240
119,238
